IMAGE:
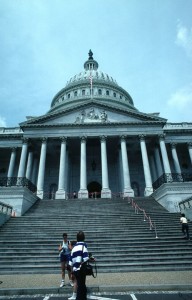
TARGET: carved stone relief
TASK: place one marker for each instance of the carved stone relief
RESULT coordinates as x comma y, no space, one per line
92,115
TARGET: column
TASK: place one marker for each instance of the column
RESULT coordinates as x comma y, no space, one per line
165,159
41,173
175,158
105,192
12,163
34,171
11,167
176,162
83,192
128,191
153,167
22,164
158,162
29,165
121,179
61,193
190,150
148,182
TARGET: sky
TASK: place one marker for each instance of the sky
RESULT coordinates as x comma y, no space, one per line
145,45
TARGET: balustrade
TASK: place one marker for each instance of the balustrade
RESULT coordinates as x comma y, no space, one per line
172,177
17,181
5,208
185,204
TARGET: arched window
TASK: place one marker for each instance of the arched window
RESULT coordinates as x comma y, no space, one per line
100,92
75,93
68,96
83,92
107,93
114,94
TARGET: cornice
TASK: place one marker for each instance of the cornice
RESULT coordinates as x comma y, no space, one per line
92,124
178,127
177,131
7,136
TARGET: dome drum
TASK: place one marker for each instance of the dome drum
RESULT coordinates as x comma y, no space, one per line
91,83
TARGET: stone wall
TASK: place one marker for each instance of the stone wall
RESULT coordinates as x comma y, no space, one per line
20,198
170,194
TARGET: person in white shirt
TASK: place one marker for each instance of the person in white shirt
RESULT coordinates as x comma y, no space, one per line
185,226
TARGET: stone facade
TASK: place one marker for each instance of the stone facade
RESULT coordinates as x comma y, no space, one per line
95,142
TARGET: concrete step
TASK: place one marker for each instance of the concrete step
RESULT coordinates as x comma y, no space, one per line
104,268
118,237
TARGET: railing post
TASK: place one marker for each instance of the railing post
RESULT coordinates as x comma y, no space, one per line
155,231
144,215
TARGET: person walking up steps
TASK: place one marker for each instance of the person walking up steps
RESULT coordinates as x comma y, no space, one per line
185,226
64,254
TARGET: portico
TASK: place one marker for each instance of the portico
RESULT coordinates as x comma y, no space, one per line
119,161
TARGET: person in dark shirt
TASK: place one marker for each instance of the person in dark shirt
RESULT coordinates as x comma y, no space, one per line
79,255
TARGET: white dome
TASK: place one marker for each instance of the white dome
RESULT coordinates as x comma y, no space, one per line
95,74
91,83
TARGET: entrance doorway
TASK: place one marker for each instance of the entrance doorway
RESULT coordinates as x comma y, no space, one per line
94,189
52,191
135,187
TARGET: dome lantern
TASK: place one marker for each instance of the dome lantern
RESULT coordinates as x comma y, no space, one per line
91,64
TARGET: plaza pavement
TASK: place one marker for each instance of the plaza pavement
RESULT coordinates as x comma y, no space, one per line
28,284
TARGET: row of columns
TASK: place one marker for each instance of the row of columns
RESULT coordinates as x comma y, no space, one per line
83,192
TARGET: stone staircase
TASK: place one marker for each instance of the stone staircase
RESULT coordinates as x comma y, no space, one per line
116,235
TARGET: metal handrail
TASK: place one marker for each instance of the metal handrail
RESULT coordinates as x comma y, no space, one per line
152,225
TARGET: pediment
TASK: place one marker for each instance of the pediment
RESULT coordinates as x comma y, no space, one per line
92,114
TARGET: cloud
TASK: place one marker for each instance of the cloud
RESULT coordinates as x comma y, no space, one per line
2,122
182,98
184,38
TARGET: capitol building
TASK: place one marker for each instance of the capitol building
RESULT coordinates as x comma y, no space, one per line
94,143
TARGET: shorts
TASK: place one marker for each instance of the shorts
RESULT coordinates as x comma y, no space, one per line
64,257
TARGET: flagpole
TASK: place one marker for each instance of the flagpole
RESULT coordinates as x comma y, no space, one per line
91,83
